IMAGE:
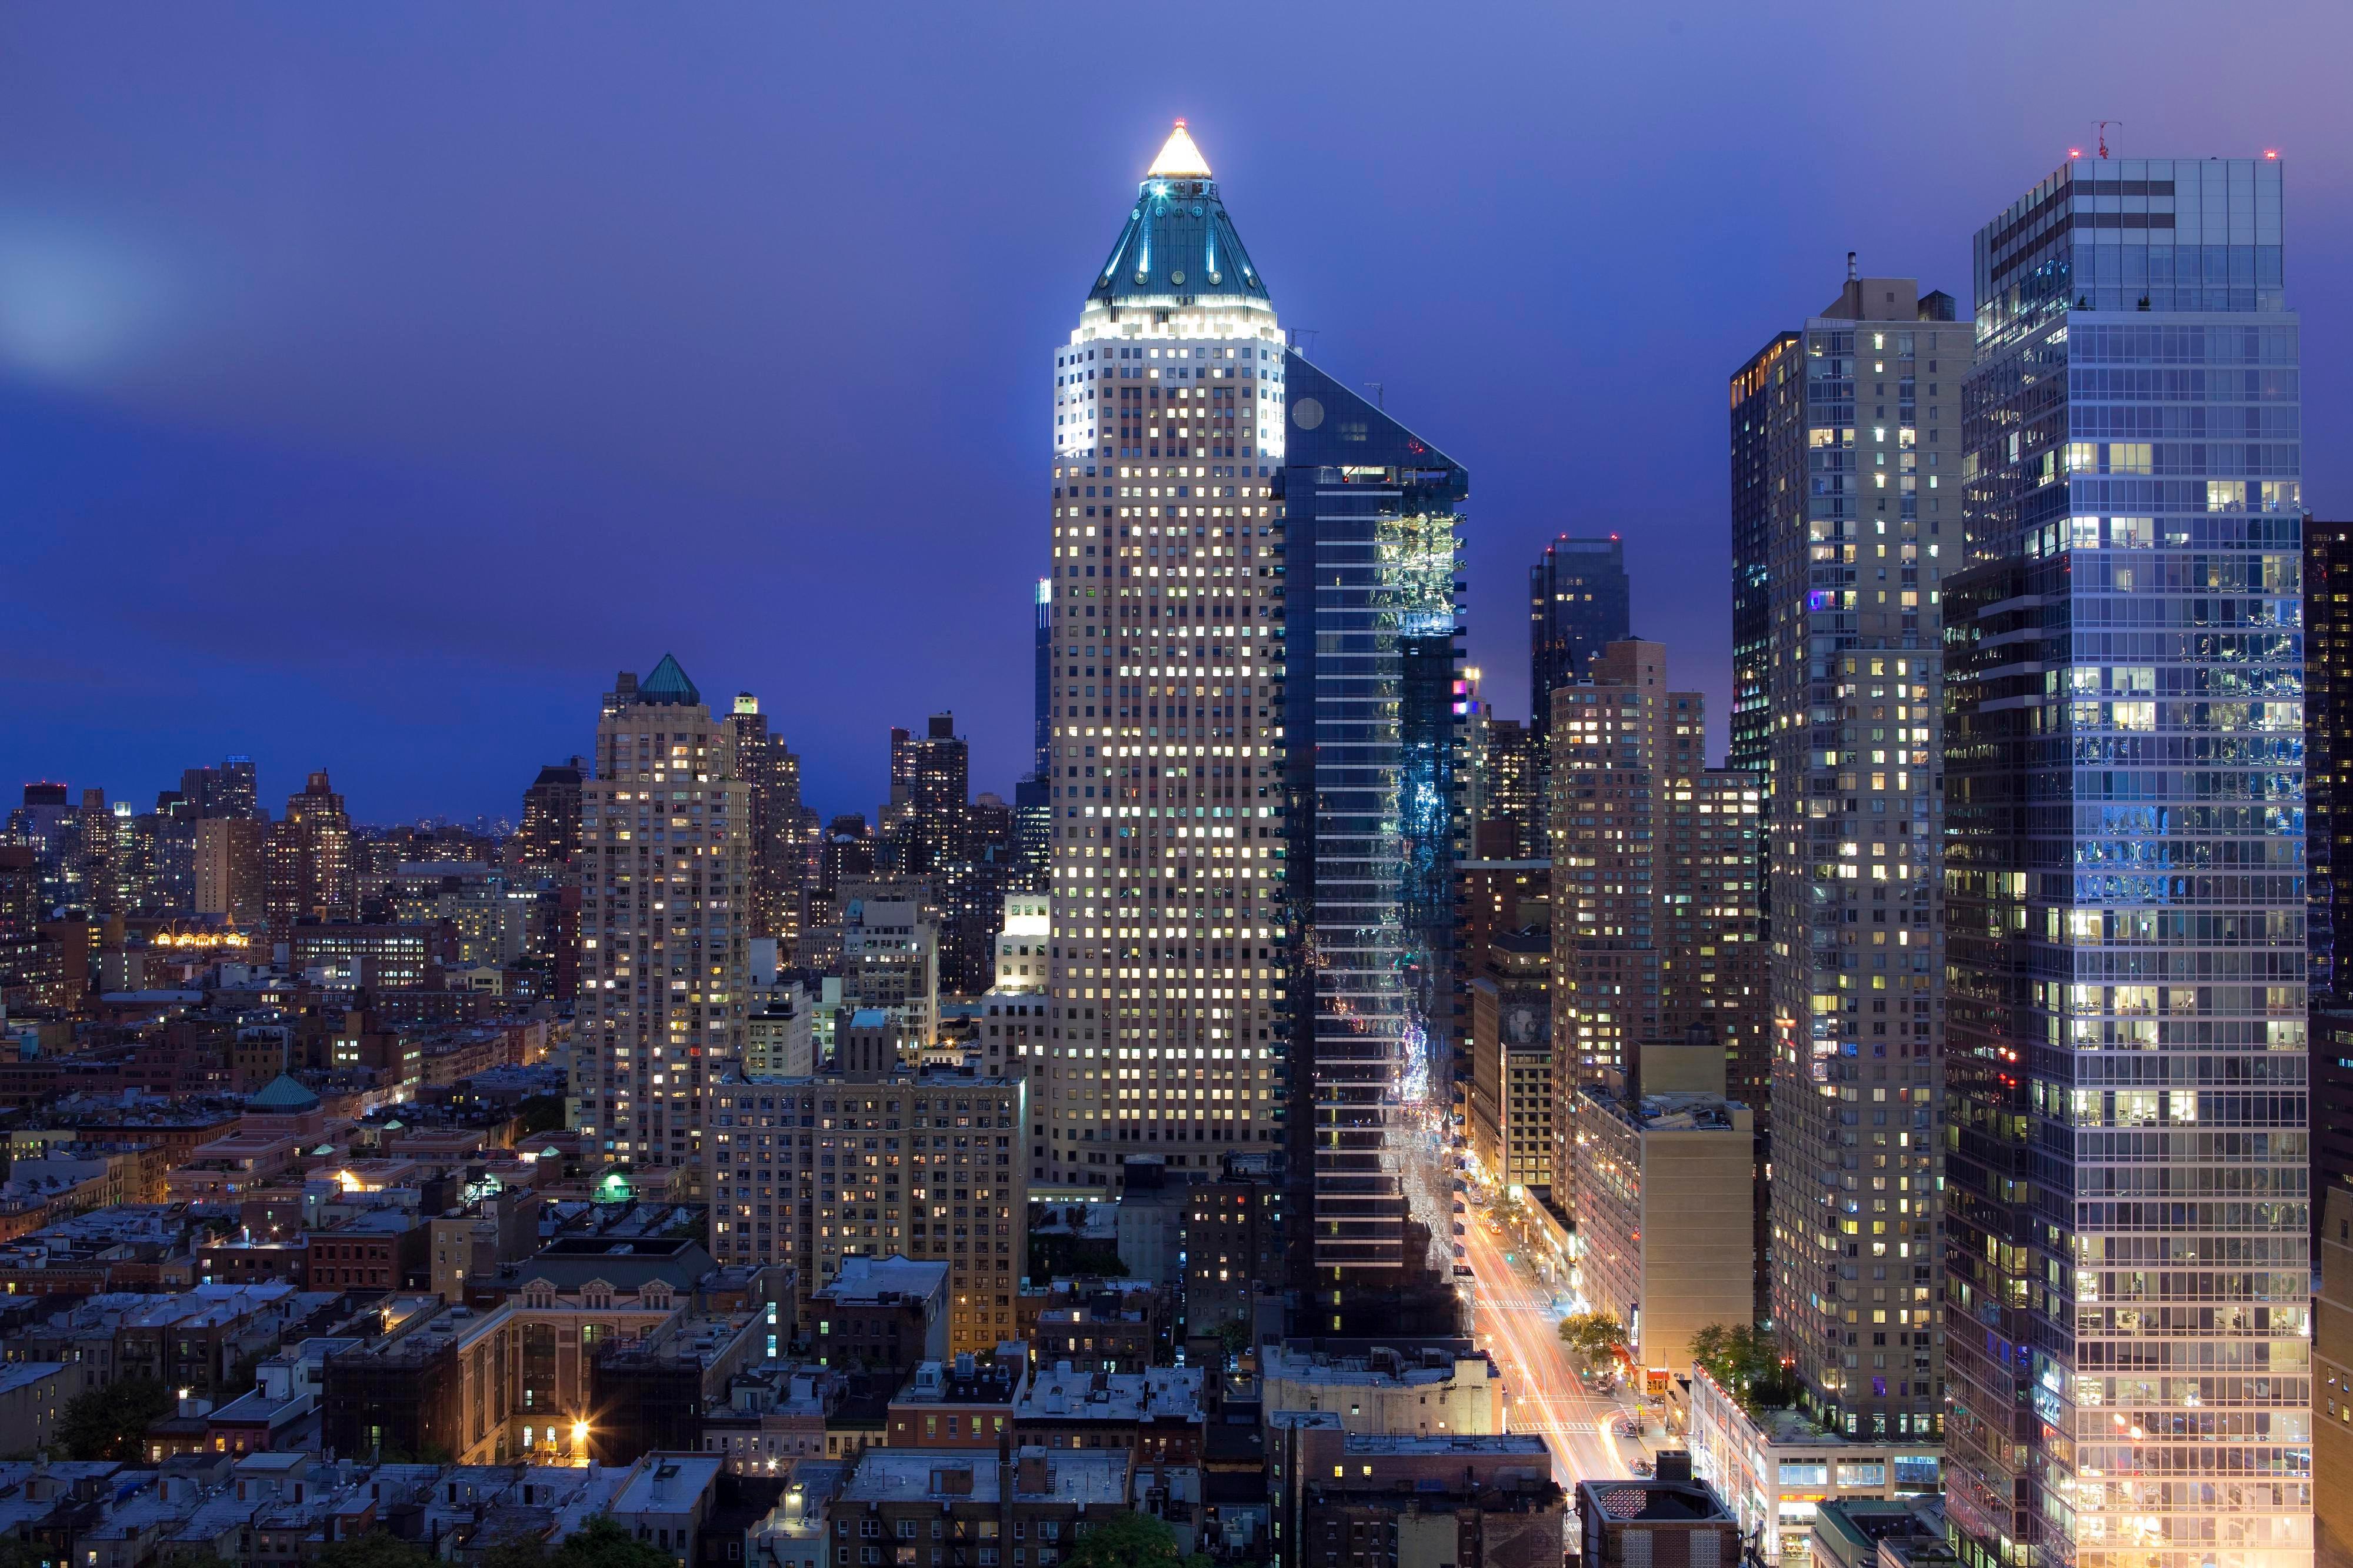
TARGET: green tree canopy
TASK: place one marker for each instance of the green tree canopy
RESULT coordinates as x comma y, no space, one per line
605,1542
377,1548
602,1543
17,1553
1744,1358
111,1423
1127,1539
1593,1337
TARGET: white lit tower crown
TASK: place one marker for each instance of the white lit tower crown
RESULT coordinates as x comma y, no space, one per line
1164,708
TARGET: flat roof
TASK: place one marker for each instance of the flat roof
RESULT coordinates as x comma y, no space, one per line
866,1278
907,1475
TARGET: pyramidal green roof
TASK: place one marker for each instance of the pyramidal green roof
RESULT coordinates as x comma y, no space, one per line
668,683
283,1093
1179,246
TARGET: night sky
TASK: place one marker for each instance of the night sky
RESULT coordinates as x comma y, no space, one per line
375,381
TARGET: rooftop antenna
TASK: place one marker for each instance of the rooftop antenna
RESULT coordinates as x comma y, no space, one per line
1380,394
2101,126
1302,340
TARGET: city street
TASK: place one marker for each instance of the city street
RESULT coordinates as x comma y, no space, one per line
1516,1320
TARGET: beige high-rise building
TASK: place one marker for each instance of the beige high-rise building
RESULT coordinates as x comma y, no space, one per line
876,1159
229,872
1656,927
665,930
1166,752
1664,1186
1850,435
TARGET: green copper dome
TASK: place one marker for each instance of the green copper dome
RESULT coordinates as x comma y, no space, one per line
1178,248
669,683
283,1093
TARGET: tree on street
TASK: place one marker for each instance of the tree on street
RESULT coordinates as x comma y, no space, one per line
1594,1338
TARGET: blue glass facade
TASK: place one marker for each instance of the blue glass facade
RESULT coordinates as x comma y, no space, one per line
2124,776
1370,516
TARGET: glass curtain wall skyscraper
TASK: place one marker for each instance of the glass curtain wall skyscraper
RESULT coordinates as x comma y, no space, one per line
1165,677
1579,602
1370,518
2127,1185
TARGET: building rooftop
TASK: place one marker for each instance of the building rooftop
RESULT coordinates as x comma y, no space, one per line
668,684
880,1279
957,1475
1160,1393
1665,1501
24,1373
1373,1366
1491,1443
1177,243
1677,1112
283,1095
668,1483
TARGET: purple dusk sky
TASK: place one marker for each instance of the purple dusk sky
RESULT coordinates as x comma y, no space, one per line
377,380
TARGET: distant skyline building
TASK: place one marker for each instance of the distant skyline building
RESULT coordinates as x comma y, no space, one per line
1165,668
230,875
2127,1190
548,839
308,859
228,790
665,932
1579,602
1847,455
774,774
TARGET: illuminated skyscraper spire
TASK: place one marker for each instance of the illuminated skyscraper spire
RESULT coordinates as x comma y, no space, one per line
1161,755
1179,159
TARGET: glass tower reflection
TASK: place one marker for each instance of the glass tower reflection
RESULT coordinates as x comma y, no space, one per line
2126,1172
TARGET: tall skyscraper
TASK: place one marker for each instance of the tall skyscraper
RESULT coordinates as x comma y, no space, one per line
1042,723
972,893
774,774
1578,603
1762,457
665,930
2127,1188
1846,452
1612,740
1033,833
939,797
2329,752
309,869
231,869
227,790
46,825
1369,515
1167,669
548,839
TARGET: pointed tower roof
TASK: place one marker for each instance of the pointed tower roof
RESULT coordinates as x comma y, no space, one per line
1178,247
667,684
1179,159
283,1093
